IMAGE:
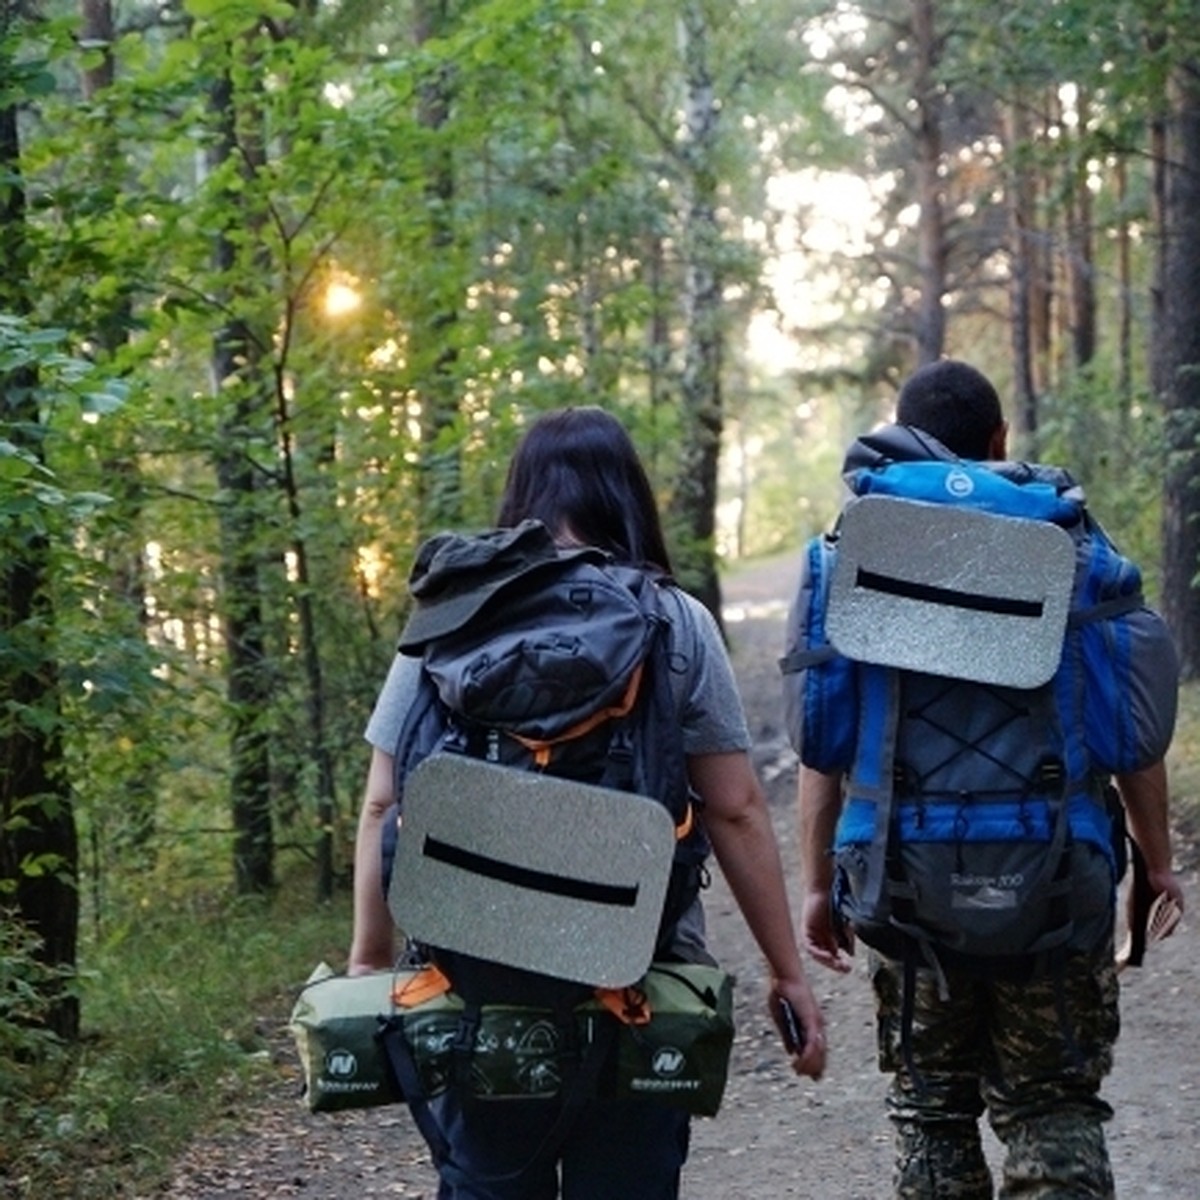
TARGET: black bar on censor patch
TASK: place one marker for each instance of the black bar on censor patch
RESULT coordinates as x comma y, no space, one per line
1005,606
616,895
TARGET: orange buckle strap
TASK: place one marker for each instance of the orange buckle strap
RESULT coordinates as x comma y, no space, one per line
628,1004
425,984
542,749
687,824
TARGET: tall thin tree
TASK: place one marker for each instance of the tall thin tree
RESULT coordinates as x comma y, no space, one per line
1178,365
931,220
236,363
39,852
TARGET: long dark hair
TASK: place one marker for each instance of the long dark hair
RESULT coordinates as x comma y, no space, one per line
577,471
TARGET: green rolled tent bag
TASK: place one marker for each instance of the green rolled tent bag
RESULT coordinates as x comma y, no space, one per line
678,1056
335,1022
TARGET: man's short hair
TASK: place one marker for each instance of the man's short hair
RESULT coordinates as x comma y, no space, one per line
955,403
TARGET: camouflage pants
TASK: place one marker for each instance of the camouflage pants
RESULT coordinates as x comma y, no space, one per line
1031,1054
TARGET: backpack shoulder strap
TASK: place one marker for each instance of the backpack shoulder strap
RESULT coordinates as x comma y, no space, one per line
873,778
653,727
656,747
424,724
807,644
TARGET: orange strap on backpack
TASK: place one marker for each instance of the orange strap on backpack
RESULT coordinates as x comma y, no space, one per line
628,1004
541,749
425,984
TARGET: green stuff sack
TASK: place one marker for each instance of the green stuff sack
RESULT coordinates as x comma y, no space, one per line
681,1056
334,1023
517,1052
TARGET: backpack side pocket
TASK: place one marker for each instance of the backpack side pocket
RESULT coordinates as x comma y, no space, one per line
820,691
1128,665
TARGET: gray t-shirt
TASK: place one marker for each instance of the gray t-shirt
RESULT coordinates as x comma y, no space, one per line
702,681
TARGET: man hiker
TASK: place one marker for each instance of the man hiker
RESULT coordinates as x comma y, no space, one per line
936,766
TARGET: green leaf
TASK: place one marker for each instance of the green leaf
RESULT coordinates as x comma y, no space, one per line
103,402
34,866
16,462
238,10
22,80
52,497
40,83
83,504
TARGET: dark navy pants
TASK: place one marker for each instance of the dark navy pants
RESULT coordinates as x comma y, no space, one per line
631,1149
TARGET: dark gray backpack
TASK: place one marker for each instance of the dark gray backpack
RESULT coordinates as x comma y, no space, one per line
564,669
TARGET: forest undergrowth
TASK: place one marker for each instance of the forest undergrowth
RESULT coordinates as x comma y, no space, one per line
181,1000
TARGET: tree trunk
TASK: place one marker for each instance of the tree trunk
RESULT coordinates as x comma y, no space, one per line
1124,306
311,653
658,349
931,224
247,678
1022,211
248,683
440,474
1042,293
1081,267
1179,368
1158,209
122,553
39,850
104,151
692,515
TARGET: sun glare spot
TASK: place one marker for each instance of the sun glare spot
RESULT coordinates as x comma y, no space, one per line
340,299
818,215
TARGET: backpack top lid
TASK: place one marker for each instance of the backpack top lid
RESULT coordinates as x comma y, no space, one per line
904,460
456,575
1007,489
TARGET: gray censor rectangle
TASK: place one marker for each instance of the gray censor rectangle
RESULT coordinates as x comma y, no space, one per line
530,871
951,591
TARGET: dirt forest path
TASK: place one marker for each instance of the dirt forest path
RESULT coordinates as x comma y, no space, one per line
776,1135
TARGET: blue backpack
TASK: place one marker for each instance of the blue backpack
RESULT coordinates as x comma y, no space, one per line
971,650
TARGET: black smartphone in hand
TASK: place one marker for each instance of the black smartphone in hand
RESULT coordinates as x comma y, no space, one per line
793,1031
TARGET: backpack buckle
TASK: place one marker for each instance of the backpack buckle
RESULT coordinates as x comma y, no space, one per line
1050,777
